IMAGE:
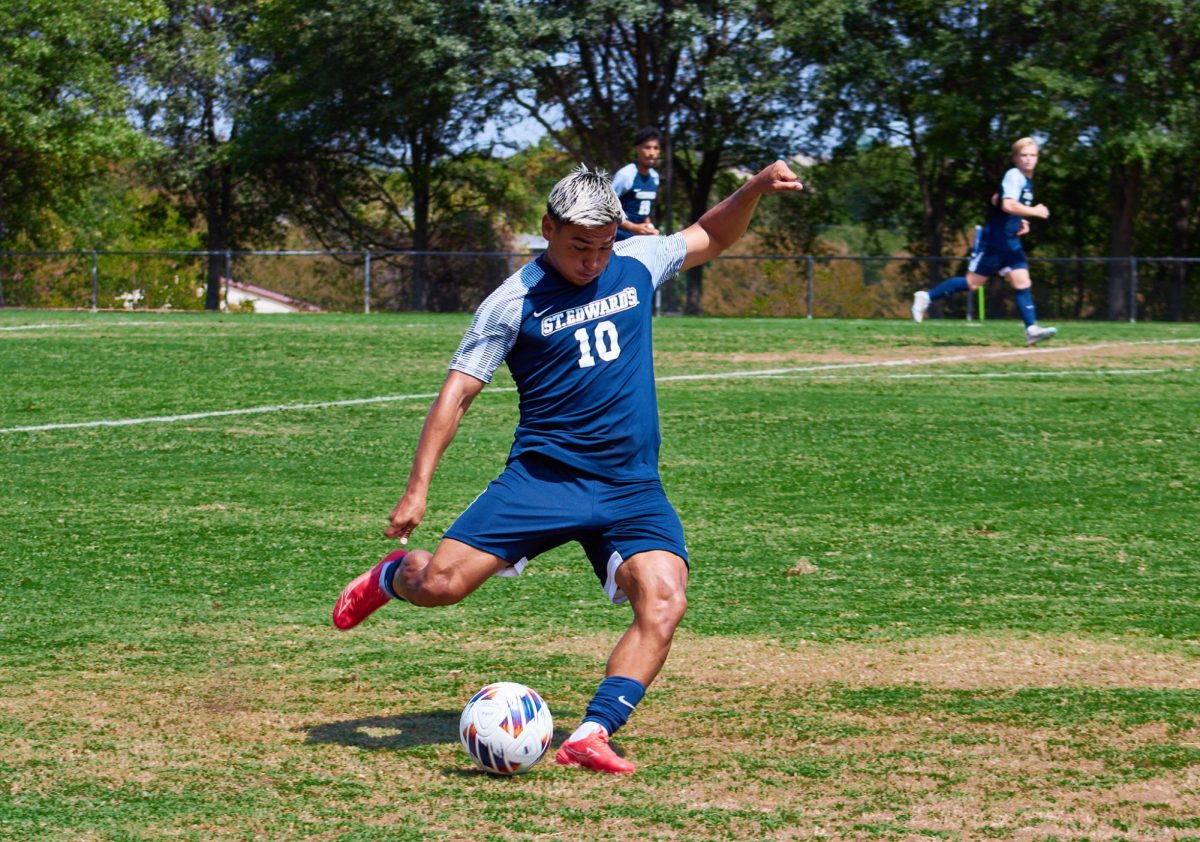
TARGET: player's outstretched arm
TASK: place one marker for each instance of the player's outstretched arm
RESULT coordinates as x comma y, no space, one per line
724,224
441,424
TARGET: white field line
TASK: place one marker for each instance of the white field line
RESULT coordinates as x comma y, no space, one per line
219,413
159,323
997,375
98,325
726,375
43,327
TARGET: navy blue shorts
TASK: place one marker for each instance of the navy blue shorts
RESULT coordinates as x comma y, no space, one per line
538,504
996,259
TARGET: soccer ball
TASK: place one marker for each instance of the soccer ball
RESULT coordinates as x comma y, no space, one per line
506,728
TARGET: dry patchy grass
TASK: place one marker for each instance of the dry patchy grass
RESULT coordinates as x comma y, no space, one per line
735,741
1062,355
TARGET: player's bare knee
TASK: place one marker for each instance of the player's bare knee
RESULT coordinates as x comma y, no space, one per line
659,629
658,592
675,604
663,610
435,589
409,574
419,585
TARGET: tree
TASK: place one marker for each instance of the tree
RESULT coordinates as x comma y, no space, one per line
936,78
866,199
194,86
366,110
1125,85
62,120
710,74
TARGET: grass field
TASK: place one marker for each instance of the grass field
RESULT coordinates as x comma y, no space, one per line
944,587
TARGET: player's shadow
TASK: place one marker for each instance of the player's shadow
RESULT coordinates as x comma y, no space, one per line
395,732
389,732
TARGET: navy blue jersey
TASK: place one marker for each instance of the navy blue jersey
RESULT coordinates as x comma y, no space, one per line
1000,225
581,358
637,192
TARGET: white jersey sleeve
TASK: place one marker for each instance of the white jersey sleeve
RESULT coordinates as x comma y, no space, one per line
623,179
494,328
1012,185
663,256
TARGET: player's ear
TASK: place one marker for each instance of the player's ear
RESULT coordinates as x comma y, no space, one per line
548,226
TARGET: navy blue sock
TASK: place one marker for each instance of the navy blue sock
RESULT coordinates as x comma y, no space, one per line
1024,299
948,287
386,575
615,699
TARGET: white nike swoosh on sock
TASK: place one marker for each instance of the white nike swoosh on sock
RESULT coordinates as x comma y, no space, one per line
623,701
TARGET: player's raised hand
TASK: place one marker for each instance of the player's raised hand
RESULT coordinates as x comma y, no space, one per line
777,177
1041,211
724,223
405,517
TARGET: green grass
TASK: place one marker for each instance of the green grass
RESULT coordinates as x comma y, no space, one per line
957,605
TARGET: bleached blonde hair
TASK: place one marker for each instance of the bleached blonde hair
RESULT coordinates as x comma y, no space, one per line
1022,143
585,197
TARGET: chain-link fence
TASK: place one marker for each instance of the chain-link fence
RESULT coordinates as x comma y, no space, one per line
823,286
806,286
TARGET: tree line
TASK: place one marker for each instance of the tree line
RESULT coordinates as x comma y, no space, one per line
386,124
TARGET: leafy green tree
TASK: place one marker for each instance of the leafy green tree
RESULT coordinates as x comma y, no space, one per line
62,113
933,77
871,194
536,169
365,110
194,85
710,74
1125,85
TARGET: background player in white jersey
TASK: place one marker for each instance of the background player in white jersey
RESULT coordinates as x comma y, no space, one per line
1001,252
574,327
636,186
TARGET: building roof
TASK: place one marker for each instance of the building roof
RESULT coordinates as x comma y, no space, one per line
272,295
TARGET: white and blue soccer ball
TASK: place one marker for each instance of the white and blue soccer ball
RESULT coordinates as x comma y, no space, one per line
506,728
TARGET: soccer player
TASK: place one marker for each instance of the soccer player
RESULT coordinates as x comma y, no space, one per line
1001,251
574,327
637,186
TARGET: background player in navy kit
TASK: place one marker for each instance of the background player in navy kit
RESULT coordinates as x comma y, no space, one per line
574,327
1008,220
636,186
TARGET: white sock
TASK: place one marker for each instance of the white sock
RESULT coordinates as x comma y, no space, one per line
586,730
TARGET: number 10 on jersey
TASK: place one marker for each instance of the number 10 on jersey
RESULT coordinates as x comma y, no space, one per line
608,347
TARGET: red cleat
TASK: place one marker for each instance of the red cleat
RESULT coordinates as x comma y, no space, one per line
593,752
362,596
